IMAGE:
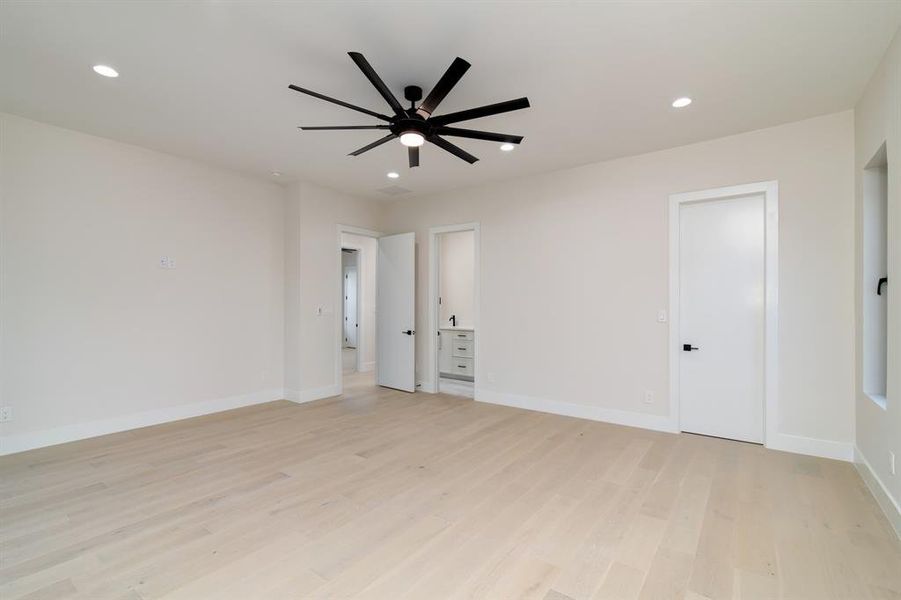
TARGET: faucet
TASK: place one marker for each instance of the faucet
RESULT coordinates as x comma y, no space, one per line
453,320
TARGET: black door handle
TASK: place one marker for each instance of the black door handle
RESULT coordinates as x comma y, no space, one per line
882,280
408,332
688,347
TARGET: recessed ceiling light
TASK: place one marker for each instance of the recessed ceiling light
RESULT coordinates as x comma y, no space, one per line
393,175
412,138
507,147
681,102
276,173
106,71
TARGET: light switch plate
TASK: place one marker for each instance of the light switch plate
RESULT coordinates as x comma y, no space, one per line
6,414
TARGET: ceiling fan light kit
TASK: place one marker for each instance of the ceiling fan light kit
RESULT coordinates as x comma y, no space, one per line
416,125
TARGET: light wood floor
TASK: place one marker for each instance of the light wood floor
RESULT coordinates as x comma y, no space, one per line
381,494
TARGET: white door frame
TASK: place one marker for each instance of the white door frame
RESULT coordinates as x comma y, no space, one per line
431,385
339,314
770,190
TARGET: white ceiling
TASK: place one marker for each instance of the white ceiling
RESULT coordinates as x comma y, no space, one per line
208,79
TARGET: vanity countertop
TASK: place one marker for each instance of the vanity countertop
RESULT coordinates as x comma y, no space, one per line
456,329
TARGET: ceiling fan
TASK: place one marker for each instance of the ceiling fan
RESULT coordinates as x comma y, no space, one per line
416,125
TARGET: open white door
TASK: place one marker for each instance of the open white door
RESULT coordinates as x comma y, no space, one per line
396,293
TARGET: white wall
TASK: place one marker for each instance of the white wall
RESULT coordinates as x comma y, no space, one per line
456,271
312,280
366,257
554,245
878,121
96,337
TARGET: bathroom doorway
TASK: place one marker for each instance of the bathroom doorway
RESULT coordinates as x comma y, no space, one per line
454,308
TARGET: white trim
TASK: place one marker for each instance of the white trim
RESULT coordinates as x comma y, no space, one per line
580,411
69,433
787,443
339,314
884,499
770,190
799,444
431,384
326,391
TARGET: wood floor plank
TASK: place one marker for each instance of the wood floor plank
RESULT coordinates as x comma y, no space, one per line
380,494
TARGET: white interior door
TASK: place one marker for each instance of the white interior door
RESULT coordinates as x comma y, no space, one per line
395,298
722,317
350,307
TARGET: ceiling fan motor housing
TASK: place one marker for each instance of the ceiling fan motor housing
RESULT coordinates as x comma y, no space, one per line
413,93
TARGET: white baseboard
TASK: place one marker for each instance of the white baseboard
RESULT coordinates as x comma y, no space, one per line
367,366
426,386
313,394
884,499
788,443
70,433
581,411
811,446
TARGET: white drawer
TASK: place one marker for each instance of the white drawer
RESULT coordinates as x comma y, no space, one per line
461,348
462,366
460,335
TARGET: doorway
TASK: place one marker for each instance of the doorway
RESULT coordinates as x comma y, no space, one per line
454,292
355,314
350,308
723,257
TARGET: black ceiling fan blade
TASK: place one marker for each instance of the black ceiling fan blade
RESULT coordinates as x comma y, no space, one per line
453,149
366,111
450,78
482,111
339,127
375,80
369,147
479,135
413,154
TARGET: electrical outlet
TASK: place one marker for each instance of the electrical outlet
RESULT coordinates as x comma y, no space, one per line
649,397
891,461
6,414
